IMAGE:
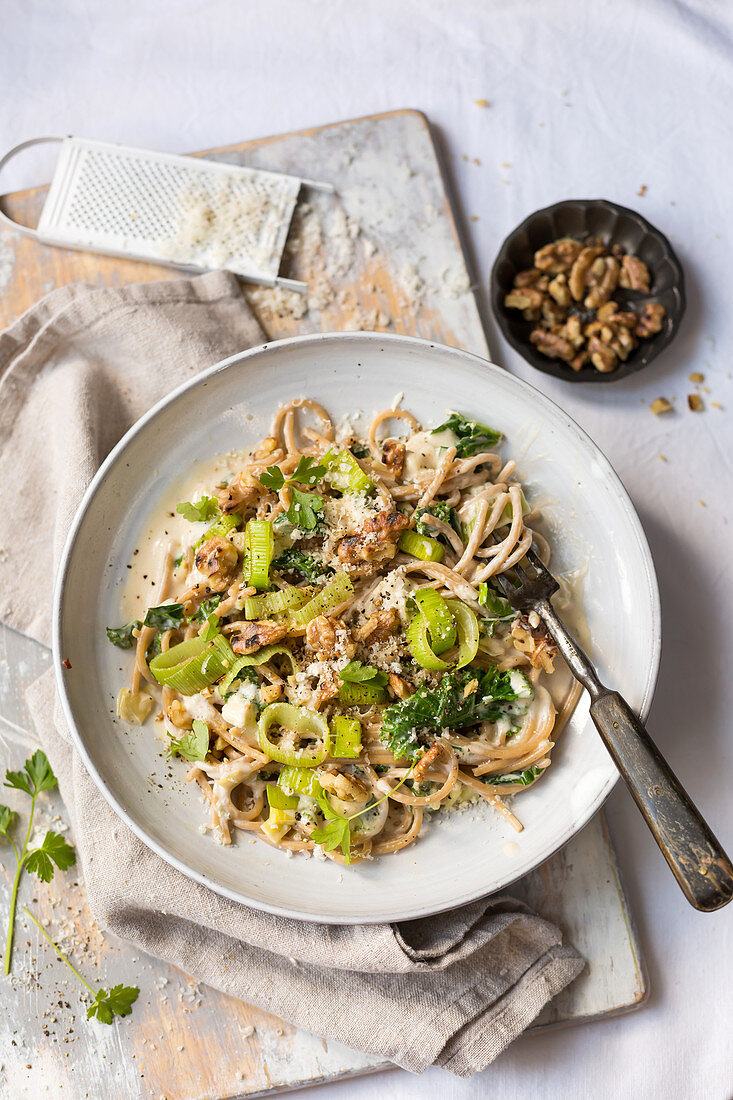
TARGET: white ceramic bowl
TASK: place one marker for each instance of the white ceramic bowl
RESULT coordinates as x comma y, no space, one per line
593,526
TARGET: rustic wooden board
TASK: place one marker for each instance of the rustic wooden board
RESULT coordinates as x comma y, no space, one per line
383,254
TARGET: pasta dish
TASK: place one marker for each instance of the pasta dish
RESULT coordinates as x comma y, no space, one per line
325,646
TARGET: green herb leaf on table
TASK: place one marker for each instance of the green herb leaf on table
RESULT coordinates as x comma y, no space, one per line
118,1002
7,820
122,636
357,673
473,437
54,850
37,775
205,509
106,1005
165,617
193,746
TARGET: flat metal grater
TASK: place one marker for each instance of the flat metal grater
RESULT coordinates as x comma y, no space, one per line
184,212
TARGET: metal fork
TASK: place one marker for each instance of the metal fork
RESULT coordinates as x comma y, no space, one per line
696,859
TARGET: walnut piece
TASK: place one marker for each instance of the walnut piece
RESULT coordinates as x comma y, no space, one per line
604,280
695,402
551,344
558,256
251,636
660,405
329,638
651,320
634,274
217,559
602,356
580,272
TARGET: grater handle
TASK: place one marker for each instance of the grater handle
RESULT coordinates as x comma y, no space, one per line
27,230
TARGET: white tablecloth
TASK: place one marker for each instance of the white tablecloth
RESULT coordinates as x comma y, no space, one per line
585,99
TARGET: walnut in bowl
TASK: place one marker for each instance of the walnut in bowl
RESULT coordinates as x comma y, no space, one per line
587,290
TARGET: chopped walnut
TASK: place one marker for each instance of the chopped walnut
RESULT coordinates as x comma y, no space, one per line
551,344
634,274
217,559
531,277
242,492
379,626
398,686
605,270
558,256
581,271
329,638
651,320
660,405
375,542
346,787
695,402
393,456
251,636
696,376
425,762
527,298
535,642
602,356
560,290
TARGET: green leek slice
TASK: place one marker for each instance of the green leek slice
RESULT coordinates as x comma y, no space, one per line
346,735
279,800
421,546
193,665
260,552
301,722
344,473
276,603
248,660
222,526
417,640
338,589
468,632
299,781
438,619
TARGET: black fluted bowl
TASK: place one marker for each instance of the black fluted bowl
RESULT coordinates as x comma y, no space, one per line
612,224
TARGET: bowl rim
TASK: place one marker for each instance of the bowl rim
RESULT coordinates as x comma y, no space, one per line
551,367
479,366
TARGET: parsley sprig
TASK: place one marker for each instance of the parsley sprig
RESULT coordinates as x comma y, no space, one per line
304,507
37,776
199,512
193,746
336,832
107,1004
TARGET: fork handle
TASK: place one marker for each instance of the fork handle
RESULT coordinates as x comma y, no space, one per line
698,862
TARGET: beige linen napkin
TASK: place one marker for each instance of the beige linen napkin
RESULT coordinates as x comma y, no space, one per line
453,990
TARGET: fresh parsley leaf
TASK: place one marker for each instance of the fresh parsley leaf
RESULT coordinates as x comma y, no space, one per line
37,775
473,437
273,478
192,746
122,636
307,472
206,609
461,699
335,833
525,778
304,508
210,631
7,820
308,565
357,673
118,1002
54,849
203,510
165,617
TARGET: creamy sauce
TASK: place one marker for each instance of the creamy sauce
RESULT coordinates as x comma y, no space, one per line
166,530
424,451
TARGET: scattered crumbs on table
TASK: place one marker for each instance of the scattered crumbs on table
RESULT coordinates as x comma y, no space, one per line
474,217
664,458
696,376
660,406
642,191
506,164
464,156
715,405
477,161
248,1031
695,402
702,502
481,102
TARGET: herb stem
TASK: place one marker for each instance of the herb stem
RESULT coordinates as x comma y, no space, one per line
14,893
58,950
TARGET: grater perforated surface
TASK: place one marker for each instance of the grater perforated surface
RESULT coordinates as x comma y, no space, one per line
177,210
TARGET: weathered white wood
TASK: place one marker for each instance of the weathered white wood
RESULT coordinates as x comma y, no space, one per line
402,270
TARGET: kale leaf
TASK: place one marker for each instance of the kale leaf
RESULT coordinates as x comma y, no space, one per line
165,617
473,437
461,699
525,778
308,565
441,510
122,636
